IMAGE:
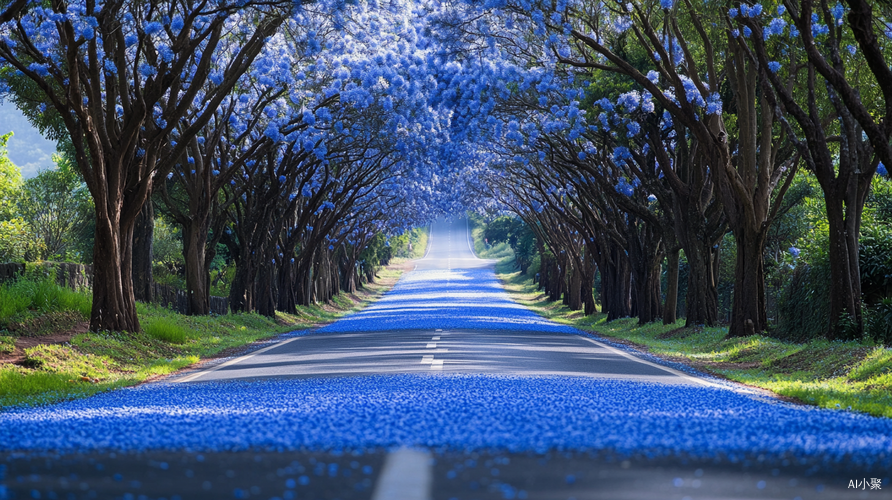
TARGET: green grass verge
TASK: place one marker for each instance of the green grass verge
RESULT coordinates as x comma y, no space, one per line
96,362
835,375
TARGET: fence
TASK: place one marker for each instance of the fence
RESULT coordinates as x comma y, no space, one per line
74,276
178,300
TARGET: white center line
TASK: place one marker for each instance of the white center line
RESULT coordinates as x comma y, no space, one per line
432,345
406,476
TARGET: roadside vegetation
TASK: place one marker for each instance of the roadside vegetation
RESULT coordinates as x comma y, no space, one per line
854,375
48,355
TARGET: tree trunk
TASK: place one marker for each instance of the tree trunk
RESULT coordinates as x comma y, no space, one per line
194,254
748,311
588,283
574,289
241,298
616,285
143,256
286,297
702,301
114,304
670,307
265,290
845,282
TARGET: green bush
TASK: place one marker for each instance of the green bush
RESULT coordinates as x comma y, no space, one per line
166,329
7,344
804,305
878,321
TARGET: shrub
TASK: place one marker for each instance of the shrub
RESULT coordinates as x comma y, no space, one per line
166,329
878,321
7,344
804,305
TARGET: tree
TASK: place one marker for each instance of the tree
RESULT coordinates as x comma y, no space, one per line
10,181
835,133
120,77
56,205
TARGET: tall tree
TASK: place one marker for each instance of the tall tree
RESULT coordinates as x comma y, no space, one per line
840,138
121,76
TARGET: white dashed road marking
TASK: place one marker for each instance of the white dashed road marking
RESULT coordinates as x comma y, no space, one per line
406,476
432,345
435,338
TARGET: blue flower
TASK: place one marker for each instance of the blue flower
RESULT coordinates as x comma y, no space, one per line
775,27
309,118
38,68
774,66
714,105
794,252
153,27
881,170
838,11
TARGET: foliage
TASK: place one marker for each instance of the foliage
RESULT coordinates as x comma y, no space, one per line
167,251
517,234
10,180
57,205
17,242
484,250
410,244
7,344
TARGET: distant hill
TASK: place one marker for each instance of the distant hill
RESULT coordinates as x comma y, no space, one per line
29,150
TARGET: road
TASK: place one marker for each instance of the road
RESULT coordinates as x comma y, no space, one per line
443,389
440,292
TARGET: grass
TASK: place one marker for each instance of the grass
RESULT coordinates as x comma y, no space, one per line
165,329
94,362
835,375
24,298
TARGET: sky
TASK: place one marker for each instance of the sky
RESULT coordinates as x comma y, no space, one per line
29,150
